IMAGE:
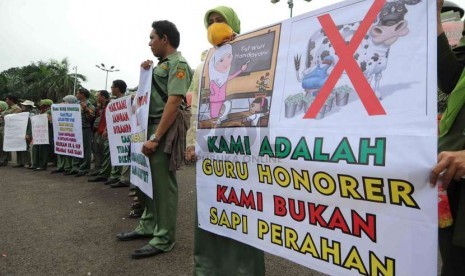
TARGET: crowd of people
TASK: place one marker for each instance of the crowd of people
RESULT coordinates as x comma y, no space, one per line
172,79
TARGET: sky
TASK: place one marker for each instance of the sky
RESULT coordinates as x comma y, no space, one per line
116,32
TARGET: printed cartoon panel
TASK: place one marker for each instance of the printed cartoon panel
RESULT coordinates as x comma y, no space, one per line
237,82
366,78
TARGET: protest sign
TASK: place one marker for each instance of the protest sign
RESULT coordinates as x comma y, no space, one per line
15,132
140,165
39,125
67,129
324,158
118,114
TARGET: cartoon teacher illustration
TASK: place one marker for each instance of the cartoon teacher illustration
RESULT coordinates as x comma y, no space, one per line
219,67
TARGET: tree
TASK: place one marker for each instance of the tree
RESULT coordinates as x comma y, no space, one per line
58,81
40,80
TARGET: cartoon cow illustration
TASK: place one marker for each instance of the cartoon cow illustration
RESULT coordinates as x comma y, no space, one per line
372,54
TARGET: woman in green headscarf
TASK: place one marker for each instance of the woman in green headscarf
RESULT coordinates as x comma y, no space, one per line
451,148
214,254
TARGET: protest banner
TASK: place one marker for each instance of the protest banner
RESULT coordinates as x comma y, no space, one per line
67,129
140,165
15,132
118,118
39,124
324,158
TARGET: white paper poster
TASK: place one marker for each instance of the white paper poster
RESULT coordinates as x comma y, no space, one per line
39,124
317,135
118,118
67,129
15,132
140,165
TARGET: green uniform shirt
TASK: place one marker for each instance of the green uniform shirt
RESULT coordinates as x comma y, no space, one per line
12,109
85,121
173,76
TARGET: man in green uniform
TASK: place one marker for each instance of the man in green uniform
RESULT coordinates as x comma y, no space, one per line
11,101
81,166
236,258
171,79
41,153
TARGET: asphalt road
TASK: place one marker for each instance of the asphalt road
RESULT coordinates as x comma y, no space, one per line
62,225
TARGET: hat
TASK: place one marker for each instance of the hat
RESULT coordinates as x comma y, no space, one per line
70,99
46,102
28,102
3,105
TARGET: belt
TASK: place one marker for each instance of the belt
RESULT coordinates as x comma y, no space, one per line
154,121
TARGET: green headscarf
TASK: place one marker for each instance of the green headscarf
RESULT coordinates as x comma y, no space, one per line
455,102
229,14
3,106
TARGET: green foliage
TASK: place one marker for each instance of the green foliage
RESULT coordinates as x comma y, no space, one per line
40,80
344,89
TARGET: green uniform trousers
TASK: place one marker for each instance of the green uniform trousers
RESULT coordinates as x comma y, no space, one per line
107,170
97,150
24,157
160,213
4,156
40,156
83,164
218,255
64,162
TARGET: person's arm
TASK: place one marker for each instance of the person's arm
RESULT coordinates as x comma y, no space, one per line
190,135
451,164
167,119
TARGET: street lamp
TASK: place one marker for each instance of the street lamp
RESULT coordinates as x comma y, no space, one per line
289,2
75,73
102,67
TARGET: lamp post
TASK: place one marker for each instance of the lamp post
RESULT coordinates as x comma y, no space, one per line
102,67
75,73
290,3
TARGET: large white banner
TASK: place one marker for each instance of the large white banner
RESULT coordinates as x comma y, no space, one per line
67,129
140,165
118,118
15,132
324,158
39,125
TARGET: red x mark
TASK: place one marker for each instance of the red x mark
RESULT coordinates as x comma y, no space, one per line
348,63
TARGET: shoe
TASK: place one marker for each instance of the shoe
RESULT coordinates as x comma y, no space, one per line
135,199
93,173
132,194
136,213
18,166
97,179
32,168
70,173
57,171
112,181
119,185
39,169
79,174
146,251
132,235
